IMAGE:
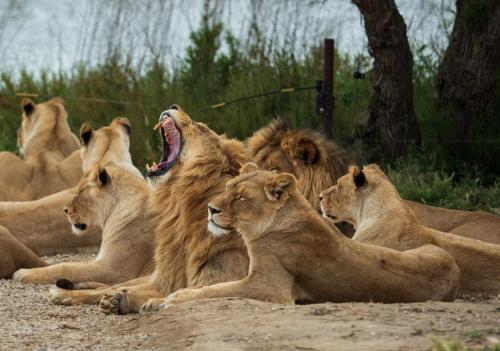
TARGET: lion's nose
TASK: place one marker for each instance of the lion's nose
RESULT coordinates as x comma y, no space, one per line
66,210
213,209
174,107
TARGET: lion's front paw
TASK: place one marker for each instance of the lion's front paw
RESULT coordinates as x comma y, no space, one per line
115,304
152,305
59,297
21,275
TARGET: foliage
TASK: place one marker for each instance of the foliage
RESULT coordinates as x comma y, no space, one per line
217,68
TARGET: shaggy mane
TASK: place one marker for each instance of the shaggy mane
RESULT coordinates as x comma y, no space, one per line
331,161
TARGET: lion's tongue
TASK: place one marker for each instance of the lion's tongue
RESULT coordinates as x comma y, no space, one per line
174,140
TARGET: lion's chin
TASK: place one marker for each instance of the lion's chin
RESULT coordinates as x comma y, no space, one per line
78,228
217,231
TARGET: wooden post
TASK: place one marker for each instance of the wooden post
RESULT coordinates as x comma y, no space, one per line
327,115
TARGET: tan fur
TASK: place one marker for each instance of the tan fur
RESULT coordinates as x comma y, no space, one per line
119,208
316,162
41,224
382,218
471,224
15,255
296,256
186,255
51,160
269,148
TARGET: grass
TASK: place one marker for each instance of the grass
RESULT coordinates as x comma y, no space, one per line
457,345
420,178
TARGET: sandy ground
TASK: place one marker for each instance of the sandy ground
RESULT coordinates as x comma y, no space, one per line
28,322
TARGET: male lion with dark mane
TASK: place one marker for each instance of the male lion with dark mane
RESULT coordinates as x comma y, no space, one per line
195,166
318,163
367,199
296,256
51,159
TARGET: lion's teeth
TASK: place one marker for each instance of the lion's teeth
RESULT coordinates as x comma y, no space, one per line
158,125
148,168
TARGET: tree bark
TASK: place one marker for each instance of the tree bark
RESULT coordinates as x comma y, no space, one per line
468,74
391,121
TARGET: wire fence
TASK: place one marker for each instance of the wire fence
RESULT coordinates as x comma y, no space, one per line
352,94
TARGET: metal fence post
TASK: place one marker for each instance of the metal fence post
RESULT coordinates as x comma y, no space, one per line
327,115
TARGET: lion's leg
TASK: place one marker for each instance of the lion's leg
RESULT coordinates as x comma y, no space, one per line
251,287
14,255
74,271
62,295
129,300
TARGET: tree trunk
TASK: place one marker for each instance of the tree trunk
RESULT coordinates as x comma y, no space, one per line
469,70
391,122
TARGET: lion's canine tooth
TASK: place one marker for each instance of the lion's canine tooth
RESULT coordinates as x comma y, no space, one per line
148,168
158,125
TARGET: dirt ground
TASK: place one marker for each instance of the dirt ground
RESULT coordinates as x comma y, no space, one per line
28,322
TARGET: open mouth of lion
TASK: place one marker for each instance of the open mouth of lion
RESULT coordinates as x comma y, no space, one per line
171,139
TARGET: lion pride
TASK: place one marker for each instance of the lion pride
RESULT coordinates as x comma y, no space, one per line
41,224
195,166
51,159
367,199
296,256
317,163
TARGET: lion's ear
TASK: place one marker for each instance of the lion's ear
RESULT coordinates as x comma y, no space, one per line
124,123
28,106
305,149
86,132
358,176
373,166
57,100
249,168
279,185
102,176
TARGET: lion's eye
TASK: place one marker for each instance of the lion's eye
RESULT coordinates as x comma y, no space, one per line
272,169
241,198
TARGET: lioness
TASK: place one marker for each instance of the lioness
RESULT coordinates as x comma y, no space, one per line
14,255
296,256
367,199
51,159
196,164
115,200
271,149
41,224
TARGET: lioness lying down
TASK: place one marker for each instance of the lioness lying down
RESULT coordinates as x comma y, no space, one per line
195,166
115,200
41,224
51,159
14,255
296,256
367,199
317,163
